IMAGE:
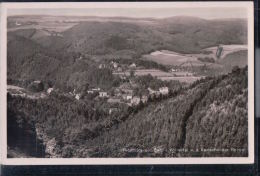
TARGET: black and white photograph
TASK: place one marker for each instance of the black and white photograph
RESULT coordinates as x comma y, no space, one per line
129,80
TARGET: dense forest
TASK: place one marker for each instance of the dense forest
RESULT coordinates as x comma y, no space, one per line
200,117
60,69
210,113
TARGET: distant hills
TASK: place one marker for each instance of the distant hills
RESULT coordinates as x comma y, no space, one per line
52,42
179,34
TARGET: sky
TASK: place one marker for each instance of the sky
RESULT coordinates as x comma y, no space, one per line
206,13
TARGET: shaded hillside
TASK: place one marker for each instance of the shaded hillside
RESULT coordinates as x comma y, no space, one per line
101,38
196,33
177,34
23,54
60,119
220,119
22,140
31,61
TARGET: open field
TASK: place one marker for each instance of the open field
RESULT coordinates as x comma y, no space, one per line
186,79
21,92
171,58
50,26
227,49
238,58
12,87
182,76
166,57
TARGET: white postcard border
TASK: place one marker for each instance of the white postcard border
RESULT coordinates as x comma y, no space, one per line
124,161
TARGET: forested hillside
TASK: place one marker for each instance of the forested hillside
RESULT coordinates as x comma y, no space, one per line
209,114
28,60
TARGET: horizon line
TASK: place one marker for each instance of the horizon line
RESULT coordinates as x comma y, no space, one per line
151,18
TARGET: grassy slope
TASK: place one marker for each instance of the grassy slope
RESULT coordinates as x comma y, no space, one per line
238,58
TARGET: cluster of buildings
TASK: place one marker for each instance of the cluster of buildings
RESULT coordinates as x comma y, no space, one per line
101,94
116,66
136,100
157,93
125,94
113,65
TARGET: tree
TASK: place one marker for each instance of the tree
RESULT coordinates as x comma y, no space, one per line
235,69
132,73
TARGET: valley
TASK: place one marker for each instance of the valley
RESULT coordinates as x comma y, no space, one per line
126,87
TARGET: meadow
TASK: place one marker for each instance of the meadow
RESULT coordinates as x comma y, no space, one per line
182,76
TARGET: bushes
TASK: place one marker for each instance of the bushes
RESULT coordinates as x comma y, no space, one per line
206,59
36,86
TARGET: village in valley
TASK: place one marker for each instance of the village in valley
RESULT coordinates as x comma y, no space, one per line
166,70
125,93
129,92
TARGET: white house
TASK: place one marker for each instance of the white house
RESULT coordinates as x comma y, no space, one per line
135,100
119,69
49,90
37,82
144,99
113,100
96,89
103,94
173,70
90,91
133,65
164,90
151,91
77,96
154,93
102,66
129,97
115,65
